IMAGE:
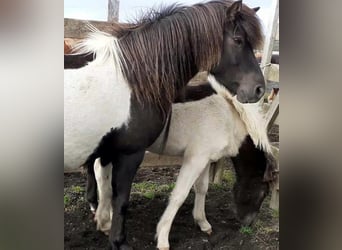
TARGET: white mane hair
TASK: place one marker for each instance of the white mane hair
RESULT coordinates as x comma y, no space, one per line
104,46
250,114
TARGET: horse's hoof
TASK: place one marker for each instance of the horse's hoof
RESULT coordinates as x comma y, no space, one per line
164,248
209,232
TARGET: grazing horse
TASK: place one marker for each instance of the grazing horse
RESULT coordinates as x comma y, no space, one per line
122,99
204,131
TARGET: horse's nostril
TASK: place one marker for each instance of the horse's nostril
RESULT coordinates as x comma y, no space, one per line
259,91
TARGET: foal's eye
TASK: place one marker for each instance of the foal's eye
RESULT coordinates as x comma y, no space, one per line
238,41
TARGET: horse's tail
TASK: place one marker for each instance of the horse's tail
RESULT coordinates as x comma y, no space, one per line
104,46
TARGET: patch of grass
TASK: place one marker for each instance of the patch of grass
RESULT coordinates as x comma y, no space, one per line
167,187
149,195
149,189
66,200
143,187
228,177
215,186
246,230
77,189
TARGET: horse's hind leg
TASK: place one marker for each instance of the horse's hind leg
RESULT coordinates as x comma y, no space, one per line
190,171
201,188
103,213
124,170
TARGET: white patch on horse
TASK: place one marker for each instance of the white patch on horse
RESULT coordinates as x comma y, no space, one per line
103,45
96,99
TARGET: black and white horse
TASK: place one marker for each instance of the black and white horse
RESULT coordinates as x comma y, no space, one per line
204,131
127,91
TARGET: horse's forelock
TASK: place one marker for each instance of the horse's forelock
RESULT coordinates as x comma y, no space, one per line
250,23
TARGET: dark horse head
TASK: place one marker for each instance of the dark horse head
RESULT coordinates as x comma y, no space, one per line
255,173
238,69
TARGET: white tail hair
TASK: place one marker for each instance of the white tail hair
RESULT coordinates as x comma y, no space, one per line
103,45
250,114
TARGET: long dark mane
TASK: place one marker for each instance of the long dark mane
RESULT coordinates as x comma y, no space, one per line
167,46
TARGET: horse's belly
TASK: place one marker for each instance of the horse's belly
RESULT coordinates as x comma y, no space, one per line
95,100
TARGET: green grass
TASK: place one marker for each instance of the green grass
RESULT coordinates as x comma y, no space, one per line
149,190
66,199
228,177
149,195
215,186
246,230
77,189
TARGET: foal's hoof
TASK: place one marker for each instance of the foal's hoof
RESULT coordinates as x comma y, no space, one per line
209,232
164,248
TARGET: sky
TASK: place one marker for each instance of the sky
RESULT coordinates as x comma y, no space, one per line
97,9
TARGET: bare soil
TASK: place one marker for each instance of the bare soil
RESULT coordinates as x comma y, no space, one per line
145,211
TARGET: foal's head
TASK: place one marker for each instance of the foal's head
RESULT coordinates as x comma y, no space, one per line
238,69
255,173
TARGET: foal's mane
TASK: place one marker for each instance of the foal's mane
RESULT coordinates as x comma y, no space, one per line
163,50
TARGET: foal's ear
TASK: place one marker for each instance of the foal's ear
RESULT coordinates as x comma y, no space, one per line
233,10
256,9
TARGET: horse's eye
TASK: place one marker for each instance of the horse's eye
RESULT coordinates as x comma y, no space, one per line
238,41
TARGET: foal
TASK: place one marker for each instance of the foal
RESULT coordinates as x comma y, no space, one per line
204,131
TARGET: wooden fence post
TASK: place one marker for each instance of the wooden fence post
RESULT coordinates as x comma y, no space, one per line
113,10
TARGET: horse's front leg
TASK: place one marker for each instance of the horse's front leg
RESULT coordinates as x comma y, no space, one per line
124,170
201,189
191,169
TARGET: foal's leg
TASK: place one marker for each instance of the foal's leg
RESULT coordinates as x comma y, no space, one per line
103,213
190,171
124,170
201,188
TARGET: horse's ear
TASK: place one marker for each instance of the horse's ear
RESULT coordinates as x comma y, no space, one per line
233,10
256,9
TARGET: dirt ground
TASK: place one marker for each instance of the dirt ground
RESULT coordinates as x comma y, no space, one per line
149,198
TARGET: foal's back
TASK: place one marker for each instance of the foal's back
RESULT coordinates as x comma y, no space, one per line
209,126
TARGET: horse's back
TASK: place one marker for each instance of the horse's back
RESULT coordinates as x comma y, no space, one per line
96,99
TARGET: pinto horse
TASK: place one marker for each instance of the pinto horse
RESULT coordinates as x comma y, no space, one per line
122,99
203,131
